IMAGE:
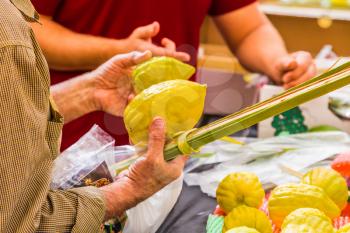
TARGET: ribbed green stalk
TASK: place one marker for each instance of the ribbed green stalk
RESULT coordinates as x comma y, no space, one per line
314,88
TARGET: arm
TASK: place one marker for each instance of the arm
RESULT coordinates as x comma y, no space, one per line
26,159
260,48
251,37
146,176
92,206
68,50
107,88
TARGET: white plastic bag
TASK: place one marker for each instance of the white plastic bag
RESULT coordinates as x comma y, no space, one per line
265,156
148,215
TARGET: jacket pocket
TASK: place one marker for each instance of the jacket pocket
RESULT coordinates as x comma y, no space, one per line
54,130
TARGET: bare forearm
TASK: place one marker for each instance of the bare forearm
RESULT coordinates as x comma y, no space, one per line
252,38
260,49
119,197
74,98
67,50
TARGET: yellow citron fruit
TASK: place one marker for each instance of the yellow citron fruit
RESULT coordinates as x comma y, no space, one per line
248,217
286,198
240,188
303,228
331,182
344,229
242,230
312,220
179,102
160,69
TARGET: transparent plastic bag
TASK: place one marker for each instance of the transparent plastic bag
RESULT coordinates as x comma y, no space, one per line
86,162
94,160
148,215
339,102
123,157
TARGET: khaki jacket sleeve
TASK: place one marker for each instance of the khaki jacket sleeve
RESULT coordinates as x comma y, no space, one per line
75,210
27,204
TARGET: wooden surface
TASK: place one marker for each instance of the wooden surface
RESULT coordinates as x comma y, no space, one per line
305,34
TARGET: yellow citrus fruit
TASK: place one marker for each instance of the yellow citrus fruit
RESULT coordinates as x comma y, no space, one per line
286,198
307,218
179,102
303,228
242,230
240,188
248,217
160,69
344,229
331,182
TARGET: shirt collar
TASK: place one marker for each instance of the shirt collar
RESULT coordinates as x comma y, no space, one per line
27,9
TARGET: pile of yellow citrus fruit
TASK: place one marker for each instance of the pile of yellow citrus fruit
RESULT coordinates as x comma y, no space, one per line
306,207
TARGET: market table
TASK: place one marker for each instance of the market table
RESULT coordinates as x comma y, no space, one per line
190,213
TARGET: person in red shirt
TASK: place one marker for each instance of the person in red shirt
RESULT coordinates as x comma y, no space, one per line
79,35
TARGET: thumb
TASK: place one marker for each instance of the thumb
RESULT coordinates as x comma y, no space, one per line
146,32
287,63
131,97
132,59
156,139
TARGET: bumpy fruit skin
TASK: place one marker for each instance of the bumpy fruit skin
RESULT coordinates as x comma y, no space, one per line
331,182
303,228
241,188
344,229
160,69
179,102
286,198
248,217
242,230
309,219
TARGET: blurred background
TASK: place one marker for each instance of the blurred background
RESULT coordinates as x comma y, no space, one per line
323,21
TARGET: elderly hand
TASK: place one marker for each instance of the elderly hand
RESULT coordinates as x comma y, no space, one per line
141,40
294,69
112,85
146,176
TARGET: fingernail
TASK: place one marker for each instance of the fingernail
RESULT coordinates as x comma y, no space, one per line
138,55
144,53
135,54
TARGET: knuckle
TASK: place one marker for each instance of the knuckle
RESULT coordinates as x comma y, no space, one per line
151,164
157,135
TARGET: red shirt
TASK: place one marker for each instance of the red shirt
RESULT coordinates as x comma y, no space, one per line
180,21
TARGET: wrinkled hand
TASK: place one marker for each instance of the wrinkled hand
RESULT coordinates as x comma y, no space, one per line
294,69
141,40
112,82
152,172
146,176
